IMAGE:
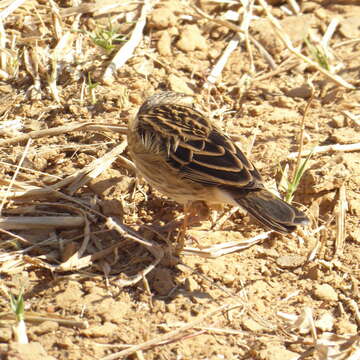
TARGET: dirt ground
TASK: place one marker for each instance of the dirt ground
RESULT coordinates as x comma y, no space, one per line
90,291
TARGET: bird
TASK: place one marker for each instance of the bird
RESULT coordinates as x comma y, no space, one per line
182,154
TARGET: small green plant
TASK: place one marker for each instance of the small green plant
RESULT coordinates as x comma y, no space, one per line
17,305
318,54
105,38
290,186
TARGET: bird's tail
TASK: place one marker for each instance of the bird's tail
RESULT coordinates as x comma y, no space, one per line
271,211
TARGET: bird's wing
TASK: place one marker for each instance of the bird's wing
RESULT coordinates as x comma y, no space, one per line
199,151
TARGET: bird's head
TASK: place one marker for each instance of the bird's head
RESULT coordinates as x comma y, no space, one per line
164,98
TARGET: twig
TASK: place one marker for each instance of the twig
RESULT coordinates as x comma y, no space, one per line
15,174
294,5
37,318
225,248
97,167
219,222
40,222
340,222
219,66
325,149
154,248
232,45
64,129
11,8
328,35
165,337
128,49
20,238
242,33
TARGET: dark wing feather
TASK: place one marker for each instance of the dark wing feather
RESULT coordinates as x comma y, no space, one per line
198,150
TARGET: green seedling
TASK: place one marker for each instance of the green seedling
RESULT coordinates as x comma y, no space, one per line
292,185
318,54
105,38
18,308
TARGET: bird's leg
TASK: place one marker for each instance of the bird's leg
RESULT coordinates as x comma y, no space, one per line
180,241
194,211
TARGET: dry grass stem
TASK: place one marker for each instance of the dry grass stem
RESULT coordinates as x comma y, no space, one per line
326,149
20,238
41,222
220,64
94,169
151,246
15,174
232,45
37,318
127,50
294,6
242,32
225,248
88,126
328,35
341,209
227,215
11,8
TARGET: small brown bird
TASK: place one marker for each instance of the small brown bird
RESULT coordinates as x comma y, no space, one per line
183,155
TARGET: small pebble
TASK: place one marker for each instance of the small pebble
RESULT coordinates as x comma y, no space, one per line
290,261
325,292
325,323
46,327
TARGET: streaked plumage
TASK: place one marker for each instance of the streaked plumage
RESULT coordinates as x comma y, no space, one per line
183,155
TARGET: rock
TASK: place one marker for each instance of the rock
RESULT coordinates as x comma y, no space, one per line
31,351
355,235
304,92
171,308
344,326
162,281
345,135
109,182
350,26
354,207
162,18
338,121
164,44
251,325
5,335
46,327
325,292
179,85
191,39
106,330
290,261
296,27
325,323
191,285
111,207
